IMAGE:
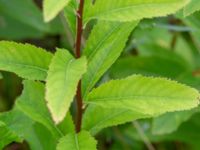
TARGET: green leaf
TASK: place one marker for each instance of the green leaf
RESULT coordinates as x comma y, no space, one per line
67,125
105,117
193,6
7,136
32,103
80,141
17,123
15,30
170,122
63,76
25,60
52,8
23,14
1,76
42,134
147,95
70,15
129,10
102,49
151,66
25,128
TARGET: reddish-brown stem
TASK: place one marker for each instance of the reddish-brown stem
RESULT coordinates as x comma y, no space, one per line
79,29
79,101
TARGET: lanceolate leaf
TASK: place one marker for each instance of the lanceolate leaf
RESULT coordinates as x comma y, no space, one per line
53,7
152,96
80,141
25,60
32,103
193,6
105,117
63,76
129,10
103,47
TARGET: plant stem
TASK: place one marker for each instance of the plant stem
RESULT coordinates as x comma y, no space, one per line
79,29
79,100
143,136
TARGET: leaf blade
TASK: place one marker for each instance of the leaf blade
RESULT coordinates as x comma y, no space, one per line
193,6
52,8
123,10
105,117
82,141
7,136
103,48
25,60
137,93
32,103
64,74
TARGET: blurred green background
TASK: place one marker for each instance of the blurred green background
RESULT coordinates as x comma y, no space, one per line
167,47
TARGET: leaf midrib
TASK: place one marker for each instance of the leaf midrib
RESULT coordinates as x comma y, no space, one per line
23,65
96,70
134,97
76,142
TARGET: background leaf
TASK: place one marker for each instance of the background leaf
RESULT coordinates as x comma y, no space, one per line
170,122
7,136
23,14
32,103
148,65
